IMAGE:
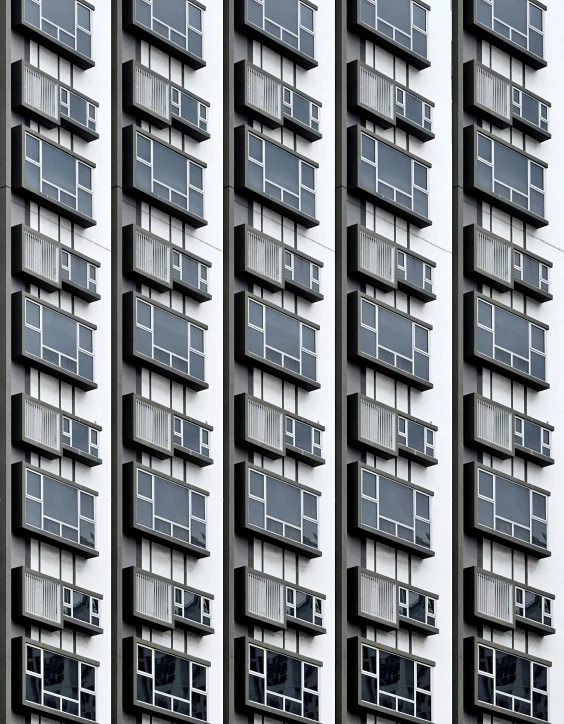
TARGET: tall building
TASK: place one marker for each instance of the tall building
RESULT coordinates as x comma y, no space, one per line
279,417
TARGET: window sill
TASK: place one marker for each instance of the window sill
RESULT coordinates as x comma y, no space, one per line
304,457
254,708
530,129
381,711
529,290
48,41
498,711
395,542
284,374
407,378
383,202
302,291
48,713
191,456
190,291
507,206
189,129
415,291
165,206
304,626
533,457
168,541
534,627
79,291
285,543
292,124
55,206
416,457
82,626
515,543
184,379
193,626
290,212
78,129
417,626
81,457
58,541
162,714
171,49
528,380
414,129
30,360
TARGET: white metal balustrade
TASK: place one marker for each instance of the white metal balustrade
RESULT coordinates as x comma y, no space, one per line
42,425
494,257
494,425
154,597
41,92
493,92
264,256
265,425
265,597
378,597
152,256
153,424
41,256
377,256
494,597
377,92
378,425
152,92
264,92
42,598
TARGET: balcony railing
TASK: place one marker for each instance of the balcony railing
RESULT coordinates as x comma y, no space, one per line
264,256
378,424
154,597
377,92
378,597
42,598
266,597
153,424
494,598
266,425
377,256
42,425
41,256
41,92
152,256
264,92
494,424
494,257
493,92
152,92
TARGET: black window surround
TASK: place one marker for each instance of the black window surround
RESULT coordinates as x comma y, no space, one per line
358,344
251,176
30,177
302,354
473,352
480,662
302,680
304,523
483,173
189,115
142,175
406,676
189,509
22,341
147,26
28,655
360,478
509,504
194,361
295,40
479,19
380,183
74,46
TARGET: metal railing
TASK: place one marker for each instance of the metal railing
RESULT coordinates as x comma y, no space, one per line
494,257
264,92
42,425
152,256
494,598
152,92
153,424
41,92
266,597
154,597
378,424
494,424
266,425
41,256
377,92
264,256
378,597
43,598
493,92
377,256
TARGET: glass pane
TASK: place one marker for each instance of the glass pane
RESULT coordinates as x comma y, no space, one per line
171,501
60,501
396,501
512,502
395,332
394,167
170,168
283,501
282,168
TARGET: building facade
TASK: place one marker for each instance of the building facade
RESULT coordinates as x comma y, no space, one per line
280,420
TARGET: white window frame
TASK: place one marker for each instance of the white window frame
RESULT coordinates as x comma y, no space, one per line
59,29
68,608
521,610
177,106
180,593
430,606
512,30
91,269
544,270
517,103
286,30
184,34
403,435
203,269
395,30
291,433
314,269
292,608
427,269
288,107
90,108
545,436
67,436
204,435
426,108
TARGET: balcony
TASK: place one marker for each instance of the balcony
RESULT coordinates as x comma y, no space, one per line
38,597
36,257
372,258
147,257
489,426
261,426
259,258
373,426
259,94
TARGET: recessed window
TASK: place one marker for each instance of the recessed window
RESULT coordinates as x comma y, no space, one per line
403,21
533,606
81,606
530,109
511,175
304,606
283,509
417,606
191,436
513,683
521,22
179,23
283,683
415,271
79,271
59,340
51,171
170,339
512,509
80,436
78,109
171,509
396,682
301,108
303,436
416,436
60,509
396,509
60,683
301,270
532,436
395,175
169,174
67,21
190,271
530,270
394,339
413,108
282,340
171,682
188,108
512,340
192,606
288,20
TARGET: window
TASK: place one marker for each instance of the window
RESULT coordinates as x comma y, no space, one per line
520,21
81,606
530,109
51,171
391,173
533,606
60,509
395,509
301,270
188,108
67,21
192,606
301,109
169,339
283,683
171,682
60,682
282,340
512,683
532,436
530,270
190,271
180,22
403,21
413,108
80,436
396,682
416,436
394,339
415,271
303,436
511,175
79,271
283,509
417,606
59,340
288,20
512,509
512,340
282,175
78,109
191,436
171,509
304,606
169,174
